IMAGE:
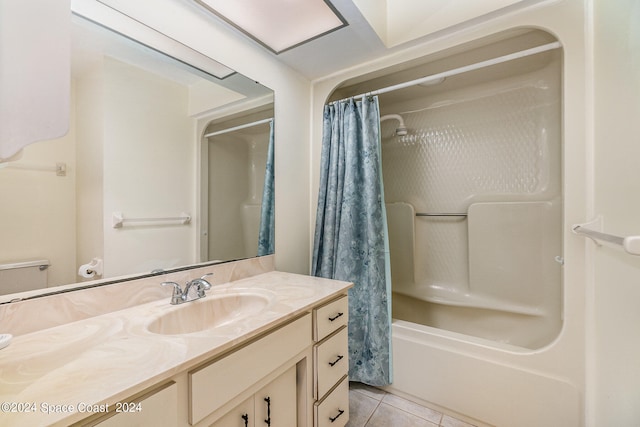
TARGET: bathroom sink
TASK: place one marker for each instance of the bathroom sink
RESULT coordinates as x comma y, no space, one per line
208,313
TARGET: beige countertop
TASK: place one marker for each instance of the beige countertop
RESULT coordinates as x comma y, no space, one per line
107,358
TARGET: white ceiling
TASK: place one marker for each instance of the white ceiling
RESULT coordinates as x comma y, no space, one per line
348,46
358,42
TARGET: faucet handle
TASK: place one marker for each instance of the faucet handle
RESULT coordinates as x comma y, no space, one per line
206,283
202,285
177,292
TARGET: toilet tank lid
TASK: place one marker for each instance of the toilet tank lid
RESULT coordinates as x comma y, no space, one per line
24,264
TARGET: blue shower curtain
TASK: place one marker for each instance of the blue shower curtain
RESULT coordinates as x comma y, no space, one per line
351,241
266,236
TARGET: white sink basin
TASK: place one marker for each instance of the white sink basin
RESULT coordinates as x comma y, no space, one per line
208,313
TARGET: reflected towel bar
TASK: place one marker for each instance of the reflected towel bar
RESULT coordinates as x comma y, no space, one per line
440,214
119,220
60,168
631,244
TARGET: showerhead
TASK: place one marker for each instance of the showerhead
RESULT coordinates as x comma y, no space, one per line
401,130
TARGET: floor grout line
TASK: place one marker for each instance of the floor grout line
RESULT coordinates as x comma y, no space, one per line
372,413
379,398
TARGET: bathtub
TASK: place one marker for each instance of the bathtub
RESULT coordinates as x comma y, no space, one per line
481,380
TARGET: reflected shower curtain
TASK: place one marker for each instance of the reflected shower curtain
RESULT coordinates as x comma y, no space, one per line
266,235
351,241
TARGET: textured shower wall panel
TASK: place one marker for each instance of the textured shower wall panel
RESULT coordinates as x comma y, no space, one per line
492,144
496,144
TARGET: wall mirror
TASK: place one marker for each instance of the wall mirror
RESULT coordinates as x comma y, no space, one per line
128,186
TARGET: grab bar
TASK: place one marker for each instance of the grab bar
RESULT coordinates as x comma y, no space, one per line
440,214
631,244
119,220
60,168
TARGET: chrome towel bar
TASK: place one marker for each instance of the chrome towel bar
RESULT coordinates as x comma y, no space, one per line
119,220
440,214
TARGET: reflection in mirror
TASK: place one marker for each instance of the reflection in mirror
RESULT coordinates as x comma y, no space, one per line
237,150
132,149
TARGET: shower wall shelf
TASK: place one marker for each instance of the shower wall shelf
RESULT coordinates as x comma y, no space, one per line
119,220
631,244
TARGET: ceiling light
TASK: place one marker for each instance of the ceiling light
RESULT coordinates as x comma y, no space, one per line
278,24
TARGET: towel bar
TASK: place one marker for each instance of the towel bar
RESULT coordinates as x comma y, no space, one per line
440,214
631,244
119,220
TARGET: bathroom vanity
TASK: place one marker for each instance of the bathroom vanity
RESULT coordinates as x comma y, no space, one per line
269,349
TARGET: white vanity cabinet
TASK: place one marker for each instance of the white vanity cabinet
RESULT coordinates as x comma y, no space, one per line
331,364
293,374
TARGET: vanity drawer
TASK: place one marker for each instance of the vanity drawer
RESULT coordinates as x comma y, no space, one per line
331,362
333,411
330,317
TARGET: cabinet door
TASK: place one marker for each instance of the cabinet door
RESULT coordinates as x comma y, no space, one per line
159,408
240,416
275,404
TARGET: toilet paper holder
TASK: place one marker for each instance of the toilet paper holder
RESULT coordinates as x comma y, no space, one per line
92,269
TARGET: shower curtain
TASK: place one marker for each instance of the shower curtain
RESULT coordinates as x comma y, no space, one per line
351,241
266,234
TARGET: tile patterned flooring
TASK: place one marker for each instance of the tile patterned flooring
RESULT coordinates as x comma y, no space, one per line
372,407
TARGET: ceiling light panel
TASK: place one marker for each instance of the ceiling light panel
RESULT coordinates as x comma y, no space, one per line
278,24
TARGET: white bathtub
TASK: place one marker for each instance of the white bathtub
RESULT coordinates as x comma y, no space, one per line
488,382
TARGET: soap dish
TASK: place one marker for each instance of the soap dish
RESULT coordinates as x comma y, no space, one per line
5,339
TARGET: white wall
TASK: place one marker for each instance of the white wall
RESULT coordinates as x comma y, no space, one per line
615,388
146,123
89,174
400,21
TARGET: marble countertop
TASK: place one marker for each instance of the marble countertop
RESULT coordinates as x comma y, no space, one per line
107,358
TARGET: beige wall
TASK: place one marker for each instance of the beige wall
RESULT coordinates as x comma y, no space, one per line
615,385
38,208
146,123
89,150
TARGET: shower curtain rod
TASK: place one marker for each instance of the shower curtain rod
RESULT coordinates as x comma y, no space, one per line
460,70
246,125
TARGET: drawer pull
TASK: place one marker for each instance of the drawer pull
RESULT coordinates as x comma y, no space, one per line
268,420
340,412
335,361
331,319
245,417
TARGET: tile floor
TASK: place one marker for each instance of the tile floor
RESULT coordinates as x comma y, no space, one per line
372,407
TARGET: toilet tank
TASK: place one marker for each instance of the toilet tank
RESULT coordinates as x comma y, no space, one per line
23,276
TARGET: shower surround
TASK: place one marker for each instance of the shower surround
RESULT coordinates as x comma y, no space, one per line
474,208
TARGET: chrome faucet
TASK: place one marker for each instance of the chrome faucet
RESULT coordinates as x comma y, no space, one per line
179,296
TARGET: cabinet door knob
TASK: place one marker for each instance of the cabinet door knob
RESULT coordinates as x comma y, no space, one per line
331,319
245,417
340,412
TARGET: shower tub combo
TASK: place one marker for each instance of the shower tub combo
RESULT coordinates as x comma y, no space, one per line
472,170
